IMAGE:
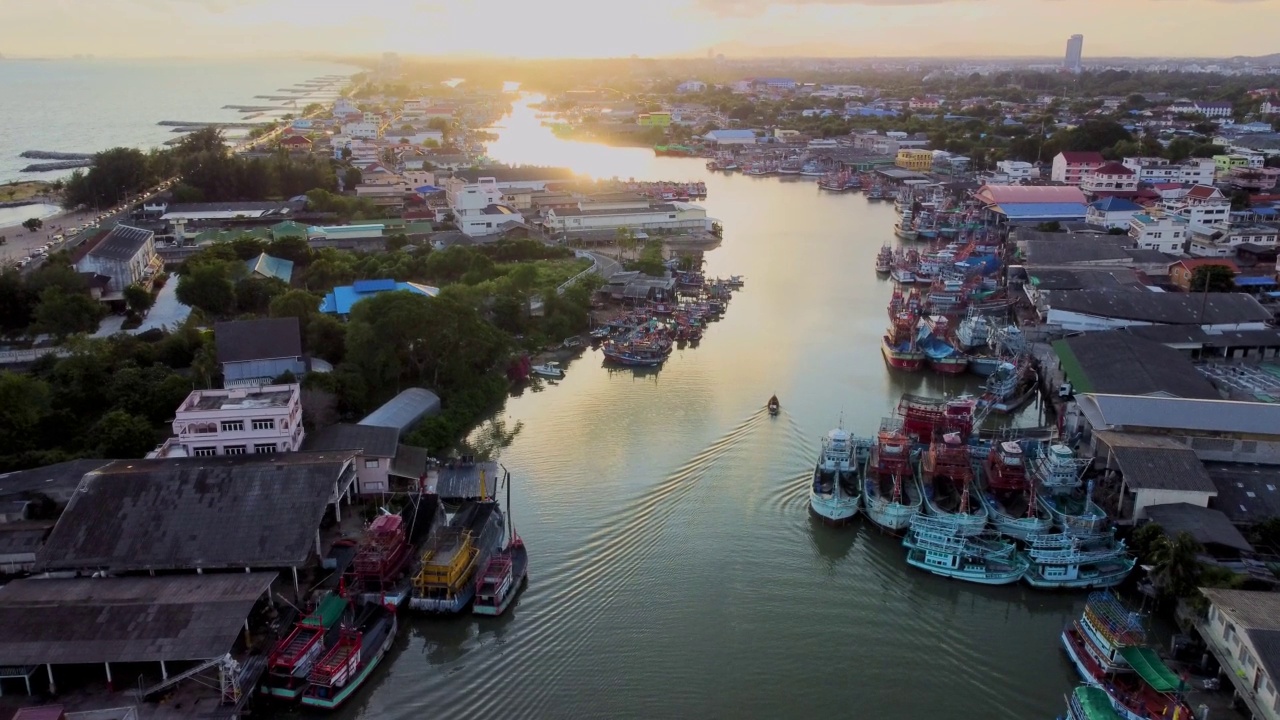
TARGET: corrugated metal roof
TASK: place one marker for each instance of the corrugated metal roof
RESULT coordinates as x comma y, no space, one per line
1135,411
403,411
1206,525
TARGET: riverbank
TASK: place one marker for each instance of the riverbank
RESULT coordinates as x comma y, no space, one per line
25,192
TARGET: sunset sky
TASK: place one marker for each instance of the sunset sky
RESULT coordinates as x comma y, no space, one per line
611,28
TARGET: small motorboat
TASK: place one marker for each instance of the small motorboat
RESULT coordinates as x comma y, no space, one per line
774,405
548,370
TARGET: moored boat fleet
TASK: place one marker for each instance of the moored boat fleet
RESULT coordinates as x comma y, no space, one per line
990,511
421,559
647,334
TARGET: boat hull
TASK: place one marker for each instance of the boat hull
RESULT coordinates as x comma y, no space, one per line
901,360
1093,523
949,366
355,683
1036,579
984,366
891,517
915,558
833,510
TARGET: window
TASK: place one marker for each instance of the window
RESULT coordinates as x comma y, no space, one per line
264,424
372,463
260,448
233,449
205,451
232,425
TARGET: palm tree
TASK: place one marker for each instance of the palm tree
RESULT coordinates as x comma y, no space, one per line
625,238
1177,567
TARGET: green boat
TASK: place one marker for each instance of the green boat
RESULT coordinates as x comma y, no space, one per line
1090,703
292,658
344,669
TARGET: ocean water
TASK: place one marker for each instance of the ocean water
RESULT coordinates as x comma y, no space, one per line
91,105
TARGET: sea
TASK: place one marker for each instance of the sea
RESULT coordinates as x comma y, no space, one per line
87,105
675,571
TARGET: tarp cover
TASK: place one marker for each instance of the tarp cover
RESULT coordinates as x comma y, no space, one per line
331,608
1151,668
1094,703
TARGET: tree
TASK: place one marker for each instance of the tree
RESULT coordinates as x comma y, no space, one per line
24,400
138,299
296,303
397,241
1212,278
121,435
254,294
351,178
327,338
207,286
291,247
32,224
17,302
625,239
1177,568
62,313
247,247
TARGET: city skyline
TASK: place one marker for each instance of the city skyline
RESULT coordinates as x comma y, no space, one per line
582,28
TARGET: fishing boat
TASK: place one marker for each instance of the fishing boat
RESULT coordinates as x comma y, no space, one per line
875,193
382,557
972,331
946,479
1009,388
1107,646
984,365
898,345
901,273
890,494
903,228
445,582
548,370
935,546
939,354
1062,493
811,169
501,579
291,660
347,666
1061,560
632,355
1090,703
884,259
834,494
1009,495
773,405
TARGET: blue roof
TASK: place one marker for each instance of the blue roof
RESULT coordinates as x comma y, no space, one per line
1115,204
273,267
1266,211
1045,211
1255,281
339,301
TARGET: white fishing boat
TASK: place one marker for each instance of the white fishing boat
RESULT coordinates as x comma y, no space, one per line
1063,494
935,546
972,331
548,370
903,228
890,494
834,494
1061,560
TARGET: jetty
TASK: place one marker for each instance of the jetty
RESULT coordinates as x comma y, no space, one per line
51,155
58,165
192,125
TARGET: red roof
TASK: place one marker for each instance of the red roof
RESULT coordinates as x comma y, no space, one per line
1202,192
296,140
1082,158
1113,168
1013,194
1193,263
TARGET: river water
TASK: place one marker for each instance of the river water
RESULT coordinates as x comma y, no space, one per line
675,571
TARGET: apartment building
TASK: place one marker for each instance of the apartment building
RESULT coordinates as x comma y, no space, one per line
236,421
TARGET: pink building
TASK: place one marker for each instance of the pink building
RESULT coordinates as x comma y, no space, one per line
1071,167
237,421
1110,180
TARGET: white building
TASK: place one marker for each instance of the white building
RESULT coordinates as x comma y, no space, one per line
238,421
1221,239
478,207
1111,212
1156,170
635,214
370,127
731,137
1110,179
691,86
127,255
1202,205
344,107
1165,233
1240,631
1016,170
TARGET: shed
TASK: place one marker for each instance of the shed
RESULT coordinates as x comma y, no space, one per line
1118,362
404,410
1211,528
1155,470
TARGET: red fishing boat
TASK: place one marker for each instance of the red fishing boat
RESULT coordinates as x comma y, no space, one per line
899,342
925,418
292,658
382,558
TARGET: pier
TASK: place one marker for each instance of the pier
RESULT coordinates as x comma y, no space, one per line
52,155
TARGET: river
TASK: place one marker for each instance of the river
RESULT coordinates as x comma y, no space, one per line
675,571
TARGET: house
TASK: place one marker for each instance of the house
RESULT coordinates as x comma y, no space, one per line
371,126
731,137
1242,632
375,449
364,237
1152,470
608,217
264,266
1221,239
1071,167
654,119
691,86
1165,233
1015,170
340,300
296,143
1214,109
255,352
912,159
1111,212
236,421
1107,308
1201,205
1110,180
1181,272
126,255
478,207
405,410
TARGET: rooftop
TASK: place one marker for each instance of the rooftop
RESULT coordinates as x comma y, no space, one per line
370,440
1206,525
1247,493
1075,249
1157,464
404,410
129,619
1083,156
342,298
262,339
1217,416
58,481
1162,308
1119,363
122,243
1257,613
1115,204
229,511
246,398
1005,195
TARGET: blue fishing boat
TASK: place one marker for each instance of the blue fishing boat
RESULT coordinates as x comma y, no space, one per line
1009,495
1060,560
1063,494
940,355
889,491
986,559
